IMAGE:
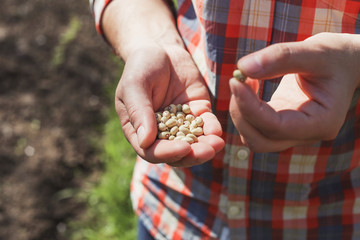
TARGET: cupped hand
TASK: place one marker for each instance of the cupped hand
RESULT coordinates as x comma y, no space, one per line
153,78
312,100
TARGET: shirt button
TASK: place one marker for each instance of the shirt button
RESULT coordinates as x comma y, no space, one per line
243,154
234,210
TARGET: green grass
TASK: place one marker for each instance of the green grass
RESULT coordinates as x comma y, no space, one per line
110,215
66,37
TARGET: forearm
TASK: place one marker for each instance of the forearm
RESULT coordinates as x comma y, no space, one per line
130,25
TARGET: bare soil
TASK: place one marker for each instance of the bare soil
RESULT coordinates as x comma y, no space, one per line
49,115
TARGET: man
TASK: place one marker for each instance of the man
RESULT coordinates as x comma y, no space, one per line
280,155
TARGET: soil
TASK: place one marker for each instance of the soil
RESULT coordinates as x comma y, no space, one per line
50,113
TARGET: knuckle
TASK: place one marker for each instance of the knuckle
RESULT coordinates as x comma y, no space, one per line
132,111
283,50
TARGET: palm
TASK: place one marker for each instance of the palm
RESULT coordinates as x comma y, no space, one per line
169,77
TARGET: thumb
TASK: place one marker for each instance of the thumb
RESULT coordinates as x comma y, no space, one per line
140,114
282,58
135,92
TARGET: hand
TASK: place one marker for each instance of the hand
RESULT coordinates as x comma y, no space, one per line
312,99
153,78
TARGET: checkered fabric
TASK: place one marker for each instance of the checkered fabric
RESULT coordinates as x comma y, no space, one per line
308,192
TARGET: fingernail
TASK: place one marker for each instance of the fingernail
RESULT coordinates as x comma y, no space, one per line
251,64
141,134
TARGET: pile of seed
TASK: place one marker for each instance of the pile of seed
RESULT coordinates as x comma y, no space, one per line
177,122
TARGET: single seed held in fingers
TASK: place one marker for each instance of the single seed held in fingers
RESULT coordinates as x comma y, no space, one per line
237,74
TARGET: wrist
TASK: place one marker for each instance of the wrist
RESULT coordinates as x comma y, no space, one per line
137,24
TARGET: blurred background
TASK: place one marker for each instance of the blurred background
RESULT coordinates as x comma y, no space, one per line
65,166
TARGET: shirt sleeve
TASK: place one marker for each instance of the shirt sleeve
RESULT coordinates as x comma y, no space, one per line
97,8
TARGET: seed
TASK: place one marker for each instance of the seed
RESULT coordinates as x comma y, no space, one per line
179,137
171,137
174,130
186,108
192,136
189,117
170,123
158,117
162,127
164,119
197,131
193,125
180,122
184,129
180,115
164,135
172,108
188,139
179,107
186,123
180,134
199,121
166,114
239,75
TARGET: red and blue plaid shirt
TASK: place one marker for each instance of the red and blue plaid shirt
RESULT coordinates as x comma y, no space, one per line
308,192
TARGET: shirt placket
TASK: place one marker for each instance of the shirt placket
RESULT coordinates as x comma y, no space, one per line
257,17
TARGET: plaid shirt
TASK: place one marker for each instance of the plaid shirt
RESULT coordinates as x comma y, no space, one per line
308,192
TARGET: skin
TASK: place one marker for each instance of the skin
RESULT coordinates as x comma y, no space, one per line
158,72
311,102
307,107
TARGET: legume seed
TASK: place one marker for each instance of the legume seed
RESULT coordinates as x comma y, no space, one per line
188,139
186,108
164,135
197,131
237,74
170,123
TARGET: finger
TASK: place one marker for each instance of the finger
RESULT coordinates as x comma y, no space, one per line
216,142
282,58
253,138
166,151
160,151
303,120
135,93
200,153
212,125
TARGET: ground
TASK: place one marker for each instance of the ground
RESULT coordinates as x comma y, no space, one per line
53,70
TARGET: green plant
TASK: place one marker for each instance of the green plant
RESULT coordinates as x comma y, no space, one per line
109,214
